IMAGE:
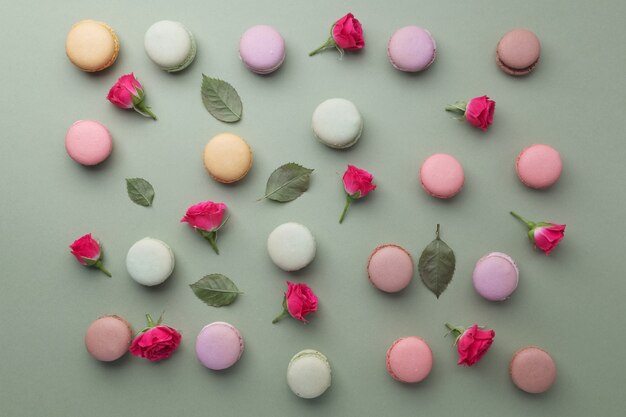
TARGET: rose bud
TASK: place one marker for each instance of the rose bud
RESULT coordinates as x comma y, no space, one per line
546,236
128,93
346,34
88,251
299,301
357,183
472,343
156,342
207,218
478,111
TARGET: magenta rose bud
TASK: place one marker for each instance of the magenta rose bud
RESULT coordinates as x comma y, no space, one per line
88,252
345,34
299,301
128,93
357,183
478,111
472,344
544,235
207,218
156,342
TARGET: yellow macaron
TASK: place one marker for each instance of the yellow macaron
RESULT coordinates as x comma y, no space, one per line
227,158
92,46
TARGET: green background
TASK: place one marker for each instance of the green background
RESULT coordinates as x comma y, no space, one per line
570,303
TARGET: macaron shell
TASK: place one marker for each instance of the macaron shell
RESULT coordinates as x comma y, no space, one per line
518,52
170,45
309,374
291,246
150,261
219,345
539,166
337,123
533,370
495,276
411,49
262,49
227,158
409,359
390,268
442,176
88,142
108,338
92,46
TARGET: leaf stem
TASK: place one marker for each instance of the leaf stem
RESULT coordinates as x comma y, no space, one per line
437,232
330,42
345,208
151,322
281,316
101,267
455,331
517,216
144,110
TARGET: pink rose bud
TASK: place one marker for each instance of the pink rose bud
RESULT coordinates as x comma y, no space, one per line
358,183
478,111
207,218
156,342
299,301
88,252
346,33
128,93
545,235
472,344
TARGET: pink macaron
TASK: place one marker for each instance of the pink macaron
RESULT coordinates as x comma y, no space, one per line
539,166
518,52
411,49
390,268
532,369
219,345
88,142
442,176
262,49
495,276
409,359
108,338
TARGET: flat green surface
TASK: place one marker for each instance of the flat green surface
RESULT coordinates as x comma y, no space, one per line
570,303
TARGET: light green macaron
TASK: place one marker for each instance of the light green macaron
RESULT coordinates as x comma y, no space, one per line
308,374
170,45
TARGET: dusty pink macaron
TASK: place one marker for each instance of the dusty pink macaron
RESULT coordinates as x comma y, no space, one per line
262,49
518,52
532,369
442,176
539,166
108,338
409,360
390,268
88,142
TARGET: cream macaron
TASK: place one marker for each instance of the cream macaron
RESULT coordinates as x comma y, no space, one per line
92,46
227,158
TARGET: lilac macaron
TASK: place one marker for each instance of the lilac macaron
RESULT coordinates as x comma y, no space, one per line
411,49
219,345
262,49
496,276
88,142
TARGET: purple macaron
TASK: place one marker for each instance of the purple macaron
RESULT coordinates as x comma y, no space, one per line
496,276
411,49
262,49
219,345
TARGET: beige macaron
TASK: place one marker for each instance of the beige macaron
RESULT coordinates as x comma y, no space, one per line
92,46
227,158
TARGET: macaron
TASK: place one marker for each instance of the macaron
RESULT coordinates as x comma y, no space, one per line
411,49
108,338
88,142
518,52
291,246
539,166
92,46
308,374
219,345
442,176
170,45
390,268
262,49
227,158
337,123
409,360
532,369
495,276
150,261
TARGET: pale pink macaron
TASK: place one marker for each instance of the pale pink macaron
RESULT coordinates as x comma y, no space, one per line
219,345
411,49
390,268
539,166
409,359
532,369
108,338
88,142
262,49
442,176
495,276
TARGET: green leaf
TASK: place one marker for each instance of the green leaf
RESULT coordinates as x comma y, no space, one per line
288,182
221,99
140,191
215,290
436,265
